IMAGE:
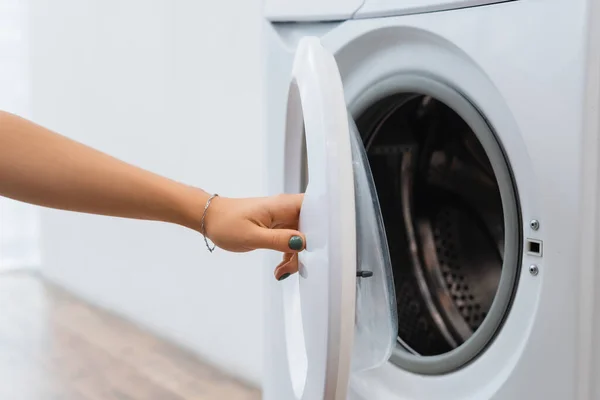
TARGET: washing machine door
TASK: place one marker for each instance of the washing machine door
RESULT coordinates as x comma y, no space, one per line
344,234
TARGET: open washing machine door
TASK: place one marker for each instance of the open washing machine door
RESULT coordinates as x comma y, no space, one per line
340,313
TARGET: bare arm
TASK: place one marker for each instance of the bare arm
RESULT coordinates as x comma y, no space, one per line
44,168
41,167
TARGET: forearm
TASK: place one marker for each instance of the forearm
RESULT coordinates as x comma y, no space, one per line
40,167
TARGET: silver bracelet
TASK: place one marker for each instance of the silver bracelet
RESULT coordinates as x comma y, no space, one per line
202,227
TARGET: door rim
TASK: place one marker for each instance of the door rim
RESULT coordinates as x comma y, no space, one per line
427,84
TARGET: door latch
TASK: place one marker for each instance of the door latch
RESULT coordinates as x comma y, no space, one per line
364,274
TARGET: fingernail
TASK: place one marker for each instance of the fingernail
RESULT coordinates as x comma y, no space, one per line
295,243
282,277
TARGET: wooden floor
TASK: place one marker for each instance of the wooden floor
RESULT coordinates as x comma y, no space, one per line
55,347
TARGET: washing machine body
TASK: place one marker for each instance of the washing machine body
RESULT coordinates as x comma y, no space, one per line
448,160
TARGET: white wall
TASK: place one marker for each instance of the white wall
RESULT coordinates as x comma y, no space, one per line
172,86
19,222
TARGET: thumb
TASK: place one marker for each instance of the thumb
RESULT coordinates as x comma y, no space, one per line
284,240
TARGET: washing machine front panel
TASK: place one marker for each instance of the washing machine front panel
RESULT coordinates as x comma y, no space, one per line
513,78
513,96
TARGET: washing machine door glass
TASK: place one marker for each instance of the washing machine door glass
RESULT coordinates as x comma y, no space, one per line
376,321
348,322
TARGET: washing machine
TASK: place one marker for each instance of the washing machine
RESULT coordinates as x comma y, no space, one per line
448,152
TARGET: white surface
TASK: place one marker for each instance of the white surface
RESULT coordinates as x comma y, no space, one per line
505,59
310,10
382,8
338,10
173,87
327,273
19,222
589,280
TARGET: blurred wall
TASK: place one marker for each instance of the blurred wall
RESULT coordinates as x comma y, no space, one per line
19,222
172,86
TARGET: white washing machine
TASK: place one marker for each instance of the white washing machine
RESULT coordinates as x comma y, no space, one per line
448,153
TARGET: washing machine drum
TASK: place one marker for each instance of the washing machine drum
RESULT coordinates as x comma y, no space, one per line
443,217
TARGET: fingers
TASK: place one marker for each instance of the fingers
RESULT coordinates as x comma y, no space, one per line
284,240
286,207
287,267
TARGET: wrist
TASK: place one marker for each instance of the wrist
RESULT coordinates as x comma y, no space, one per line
191,208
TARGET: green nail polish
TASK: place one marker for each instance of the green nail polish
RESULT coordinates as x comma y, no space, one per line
295,243
282,277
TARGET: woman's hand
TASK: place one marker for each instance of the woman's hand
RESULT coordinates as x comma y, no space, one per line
242,225
41,167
